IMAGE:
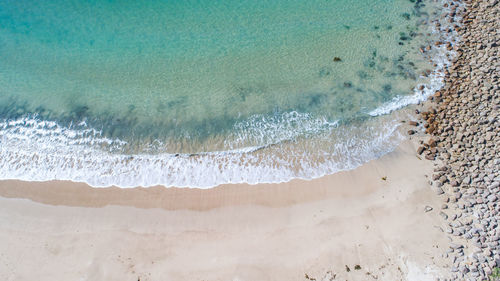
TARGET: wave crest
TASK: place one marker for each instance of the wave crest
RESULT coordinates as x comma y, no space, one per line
38,150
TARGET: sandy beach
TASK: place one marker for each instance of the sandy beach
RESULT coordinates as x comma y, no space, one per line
426,211
291,231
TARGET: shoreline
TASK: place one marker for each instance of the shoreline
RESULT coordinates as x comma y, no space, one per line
284,194
167,173
421,212
303,230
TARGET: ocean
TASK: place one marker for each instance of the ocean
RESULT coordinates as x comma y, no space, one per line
201,93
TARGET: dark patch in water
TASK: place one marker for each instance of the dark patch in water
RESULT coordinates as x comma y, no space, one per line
325,71
316,100
387,87
403,36
343,104
383,59
363,75
80,111
390,74
312,102
177,103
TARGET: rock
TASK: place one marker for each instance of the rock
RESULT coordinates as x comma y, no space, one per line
487,271
420,150
491,198
413,123
462,120
432,143
442,214
464,269
337,59
439,191
411,132
466,180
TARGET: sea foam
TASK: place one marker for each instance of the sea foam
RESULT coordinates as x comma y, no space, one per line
288,145
38,150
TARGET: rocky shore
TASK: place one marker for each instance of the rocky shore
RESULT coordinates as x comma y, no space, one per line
463,121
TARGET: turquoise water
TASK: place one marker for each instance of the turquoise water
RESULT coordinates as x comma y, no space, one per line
89,90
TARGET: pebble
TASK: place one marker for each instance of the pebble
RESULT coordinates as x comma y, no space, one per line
439,190
442,214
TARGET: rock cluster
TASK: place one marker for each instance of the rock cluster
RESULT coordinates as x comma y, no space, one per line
463,120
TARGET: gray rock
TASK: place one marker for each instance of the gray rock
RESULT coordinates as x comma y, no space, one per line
442,214
439,191
466,180
491,198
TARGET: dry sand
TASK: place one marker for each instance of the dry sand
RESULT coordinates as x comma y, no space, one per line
69,231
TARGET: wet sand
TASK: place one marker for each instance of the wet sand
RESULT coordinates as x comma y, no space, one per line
373,216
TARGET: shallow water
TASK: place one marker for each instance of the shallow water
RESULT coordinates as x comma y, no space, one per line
199,93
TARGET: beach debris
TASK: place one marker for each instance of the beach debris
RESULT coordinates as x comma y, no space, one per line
357,267
428,209
384,178
413,123
411,132
347,268
309,277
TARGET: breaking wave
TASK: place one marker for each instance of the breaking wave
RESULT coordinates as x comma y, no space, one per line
38,150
